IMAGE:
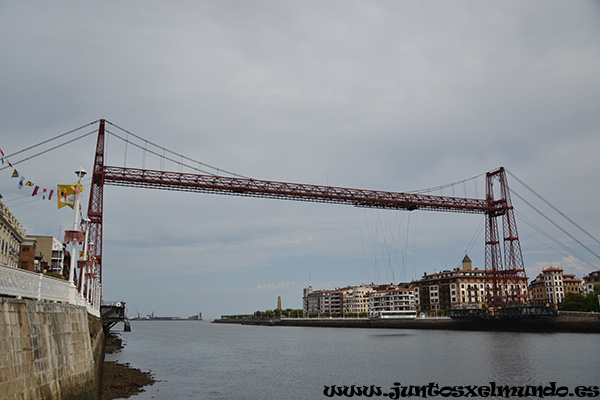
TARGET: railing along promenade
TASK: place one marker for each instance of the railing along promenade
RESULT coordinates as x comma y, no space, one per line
32,285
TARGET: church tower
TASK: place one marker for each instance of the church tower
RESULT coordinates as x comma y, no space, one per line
466,264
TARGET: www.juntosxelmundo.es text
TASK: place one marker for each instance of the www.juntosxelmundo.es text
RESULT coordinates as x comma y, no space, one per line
434,390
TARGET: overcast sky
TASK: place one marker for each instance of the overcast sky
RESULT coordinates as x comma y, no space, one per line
386,95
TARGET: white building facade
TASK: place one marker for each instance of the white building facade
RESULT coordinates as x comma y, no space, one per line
393,299
12,234
356,301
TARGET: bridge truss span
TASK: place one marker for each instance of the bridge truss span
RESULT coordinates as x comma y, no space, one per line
186,182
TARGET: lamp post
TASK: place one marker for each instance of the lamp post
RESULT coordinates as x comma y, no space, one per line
80,174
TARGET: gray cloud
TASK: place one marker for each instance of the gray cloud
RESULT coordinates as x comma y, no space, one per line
383,95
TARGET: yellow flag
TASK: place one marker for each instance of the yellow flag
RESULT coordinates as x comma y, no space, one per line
66,195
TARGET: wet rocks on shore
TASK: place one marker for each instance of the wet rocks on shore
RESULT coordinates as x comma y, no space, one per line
121,381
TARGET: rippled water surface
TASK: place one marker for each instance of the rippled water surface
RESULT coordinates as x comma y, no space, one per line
200,360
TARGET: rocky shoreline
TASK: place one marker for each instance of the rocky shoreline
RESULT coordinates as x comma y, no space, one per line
121,381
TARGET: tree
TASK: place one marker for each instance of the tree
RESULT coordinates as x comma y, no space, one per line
579,302
593,299
574,302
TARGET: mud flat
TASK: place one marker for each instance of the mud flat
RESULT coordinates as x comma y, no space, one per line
121,380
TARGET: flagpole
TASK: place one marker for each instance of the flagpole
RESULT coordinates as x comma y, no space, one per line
85,258
80,173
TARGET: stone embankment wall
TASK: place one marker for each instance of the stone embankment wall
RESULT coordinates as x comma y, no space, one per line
48,351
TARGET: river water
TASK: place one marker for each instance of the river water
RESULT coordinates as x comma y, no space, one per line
200,360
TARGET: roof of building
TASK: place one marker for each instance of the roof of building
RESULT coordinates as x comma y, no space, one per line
552,269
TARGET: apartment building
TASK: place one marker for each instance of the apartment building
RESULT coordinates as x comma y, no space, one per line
356,299
51,252
323,303
571,284
552,285
12,234
459,288
27,259
391,298
590,280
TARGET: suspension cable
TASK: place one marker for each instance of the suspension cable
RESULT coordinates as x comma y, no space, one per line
475,236
162,156
47,150
571,252
174,153
50,149
49,140
555,224
554,208
436,188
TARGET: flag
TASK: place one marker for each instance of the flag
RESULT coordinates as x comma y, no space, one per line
29,183
21,182
50,195
15,174
44,194
66,195
35,191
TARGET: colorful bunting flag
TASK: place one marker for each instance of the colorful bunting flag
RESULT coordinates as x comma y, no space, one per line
77,188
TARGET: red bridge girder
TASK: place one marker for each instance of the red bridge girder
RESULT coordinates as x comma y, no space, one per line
186,182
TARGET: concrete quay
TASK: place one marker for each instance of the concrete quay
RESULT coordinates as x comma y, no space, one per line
571,322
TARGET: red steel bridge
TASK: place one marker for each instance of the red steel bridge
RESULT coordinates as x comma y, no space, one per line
503,273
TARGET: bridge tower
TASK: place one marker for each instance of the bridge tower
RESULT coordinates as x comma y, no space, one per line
95,205
504,277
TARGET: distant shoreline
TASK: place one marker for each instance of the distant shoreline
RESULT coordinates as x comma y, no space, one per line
560,323
166,319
